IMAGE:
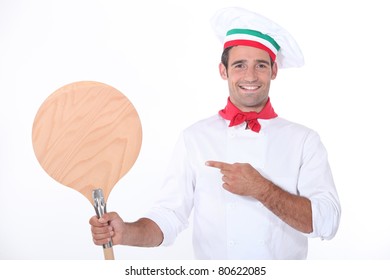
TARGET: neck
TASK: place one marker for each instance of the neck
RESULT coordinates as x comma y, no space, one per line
254,108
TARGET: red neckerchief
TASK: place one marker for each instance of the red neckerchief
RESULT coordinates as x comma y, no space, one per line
236,116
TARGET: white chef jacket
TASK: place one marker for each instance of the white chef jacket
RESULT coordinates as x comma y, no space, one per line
229,226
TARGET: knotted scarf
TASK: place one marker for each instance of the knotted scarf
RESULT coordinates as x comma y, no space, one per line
236,116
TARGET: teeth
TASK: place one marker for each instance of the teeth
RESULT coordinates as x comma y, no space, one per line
250,87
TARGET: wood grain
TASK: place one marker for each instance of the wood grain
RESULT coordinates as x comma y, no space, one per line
87,135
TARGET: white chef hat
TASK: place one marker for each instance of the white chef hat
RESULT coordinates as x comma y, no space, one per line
237,26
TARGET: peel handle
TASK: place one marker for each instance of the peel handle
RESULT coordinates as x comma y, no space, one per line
100,209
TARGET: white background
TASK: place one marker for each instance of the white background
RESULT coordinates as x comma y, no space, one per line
164,56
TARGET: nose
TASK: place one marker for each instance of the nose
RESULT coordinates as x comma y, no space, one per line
251,75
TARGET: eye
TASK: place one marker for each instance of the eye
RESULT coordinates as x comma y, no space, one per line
239,66
262,65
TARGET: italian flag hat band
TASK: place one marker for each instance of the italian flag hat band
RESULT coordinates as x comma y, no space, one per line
251,38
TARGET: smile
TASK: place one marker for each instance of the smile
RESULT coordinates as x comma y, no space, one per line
249,87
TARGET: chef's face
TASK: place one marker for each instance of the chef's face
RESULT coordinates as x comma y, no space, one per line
249,73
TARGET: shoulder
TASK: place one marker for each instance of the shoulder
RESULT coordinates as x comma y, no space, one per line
214,122
293,132
281,124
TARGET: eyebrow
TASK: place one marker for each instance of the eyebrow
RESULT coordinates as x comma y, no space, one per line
244,61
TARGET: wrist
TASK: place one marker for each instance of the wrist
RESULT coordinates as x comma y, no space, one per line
263,190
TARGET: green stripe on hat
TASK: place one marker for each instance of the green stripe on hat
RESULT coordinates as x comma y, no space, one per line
254,33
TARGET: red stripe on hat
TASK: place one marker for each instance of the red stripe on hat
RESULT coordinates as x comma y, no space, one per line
250,43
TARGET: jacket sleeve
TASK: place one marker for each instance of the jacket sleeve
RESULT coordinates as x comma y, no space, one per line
316,183
172,209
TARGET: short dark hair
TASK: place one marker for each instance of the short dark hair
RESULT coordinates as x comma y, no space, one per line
225,56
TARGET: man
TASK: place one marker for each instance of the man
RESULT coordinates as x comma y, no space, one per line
258,185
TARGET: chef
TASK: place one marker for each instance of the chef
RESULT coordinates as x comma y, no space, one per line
257,184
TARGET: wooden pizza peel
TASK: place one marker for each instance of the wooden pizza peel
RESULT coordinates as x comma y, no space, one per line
87,135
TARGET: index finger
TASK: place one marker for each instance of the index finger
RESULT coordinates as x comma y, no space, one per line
96,221
218,164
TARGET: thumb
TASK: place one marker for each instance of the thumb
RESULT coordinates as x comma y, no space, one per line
107,217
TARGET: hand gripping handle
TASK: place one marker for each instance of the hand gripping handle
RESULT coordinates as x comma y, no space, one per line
100,209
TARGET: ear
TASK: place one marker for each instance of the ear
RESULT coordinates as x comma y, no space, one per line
274,71
223,71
